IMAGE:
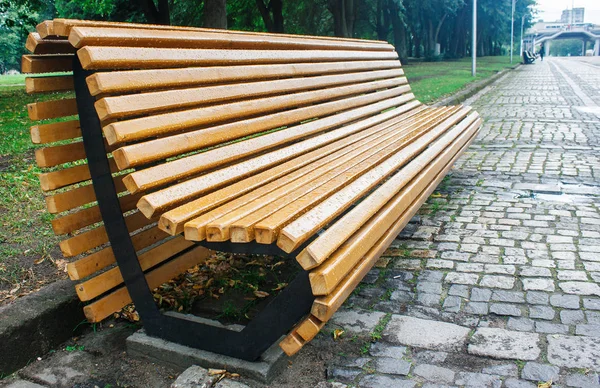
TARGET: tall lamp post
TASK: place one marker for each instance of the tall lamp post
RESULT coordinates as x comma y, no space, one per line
522,25
512,30
474,41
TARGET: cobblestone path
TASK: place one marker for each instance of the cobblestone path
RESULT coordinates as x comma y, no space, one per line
496,282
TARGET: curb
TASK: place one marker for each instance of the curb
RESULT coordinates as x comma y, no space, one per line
472,89
33,325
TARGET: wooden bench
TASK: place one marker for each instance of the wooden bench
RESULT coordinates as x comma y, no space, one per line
185,140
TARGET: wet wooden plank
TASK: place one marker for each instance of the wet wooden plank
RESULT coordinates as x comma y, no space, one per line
112,278
46,63
104,307
53,156
102,58
57,179
328,275
81,36
52,109
49,133
114,107
76,197
36,45
46,29
49,84
177,169
294,234
173,220
144,80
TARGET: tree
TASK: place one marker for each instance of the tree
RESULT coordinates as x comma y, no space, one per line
272,14
343,12
215,14
156,13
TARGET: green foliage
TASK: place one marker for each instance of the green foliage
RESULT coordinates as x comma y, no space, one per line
16,20
566,48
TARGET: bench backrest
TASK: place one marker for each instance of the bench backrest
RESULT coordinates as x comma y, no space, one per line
177,103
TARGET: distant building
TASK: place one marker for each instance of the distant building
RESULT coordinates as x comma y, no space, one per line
572,16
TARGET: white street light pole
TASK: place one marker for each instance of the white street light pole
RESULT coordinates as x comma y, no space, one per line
512,30
522,25
474,41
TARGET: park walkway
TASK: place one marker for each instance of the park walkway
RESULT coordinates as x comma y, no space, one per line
498,285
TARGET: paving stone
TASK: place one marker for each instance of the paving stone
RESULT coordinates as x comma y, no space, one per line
378,381
551,328
23,384
330,384
381,349
538,284
537,297
434,373
574,352
478,380
509,370
566,301
592,317
572,317
430,300
514,383
494,281
481,295
452,304
461,278
357,322
504,344
227,383
592,330
580,288
194,377
508,296
589,380
591,303
430,288
478,308
392,366
423,333
431,277
534,371
542,312
505,309
572,275
347,375
459,290
520,324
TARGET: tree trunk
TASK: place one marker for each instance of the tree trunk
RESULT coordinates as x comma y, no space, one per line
343,12
398,29
215,14
153,14
273,23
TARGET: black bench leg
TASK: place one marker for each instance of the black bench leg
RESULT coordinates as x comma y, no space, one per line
278,317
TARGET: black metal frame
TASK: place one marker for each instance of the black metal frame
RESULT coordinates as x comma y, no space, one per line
275,320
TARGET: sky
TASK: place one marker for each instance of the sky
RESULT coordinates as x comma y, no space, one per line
550,10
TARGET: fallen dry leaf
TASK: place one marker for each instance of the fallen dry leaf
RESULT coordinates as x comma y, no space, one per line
261,294
547,384
337,333
213,372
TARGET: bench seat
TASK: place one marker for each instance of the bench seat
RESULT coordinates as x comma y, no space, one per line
312,146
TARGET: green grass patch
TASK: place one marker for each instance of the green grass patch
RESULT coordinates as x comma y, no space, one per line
435,80
16,79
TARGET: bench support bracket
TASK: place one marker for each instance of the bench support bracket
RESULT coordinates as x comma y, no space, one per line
278,317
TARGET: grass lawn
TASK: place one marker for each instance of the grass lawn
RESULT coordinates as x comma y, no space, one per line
434,80
28,247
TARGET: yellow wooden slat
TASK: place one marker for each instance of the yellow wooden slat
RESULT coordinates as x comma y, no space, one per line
46,63
99,58
181,168
56,179
171,100
324,307
49,133
36,45
52,109
49,84
95,237
328,275
53,156
89,216
101,259
297,232
291,344
345,150
76,197
173,221
97,311
142,80
46,29
112,278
